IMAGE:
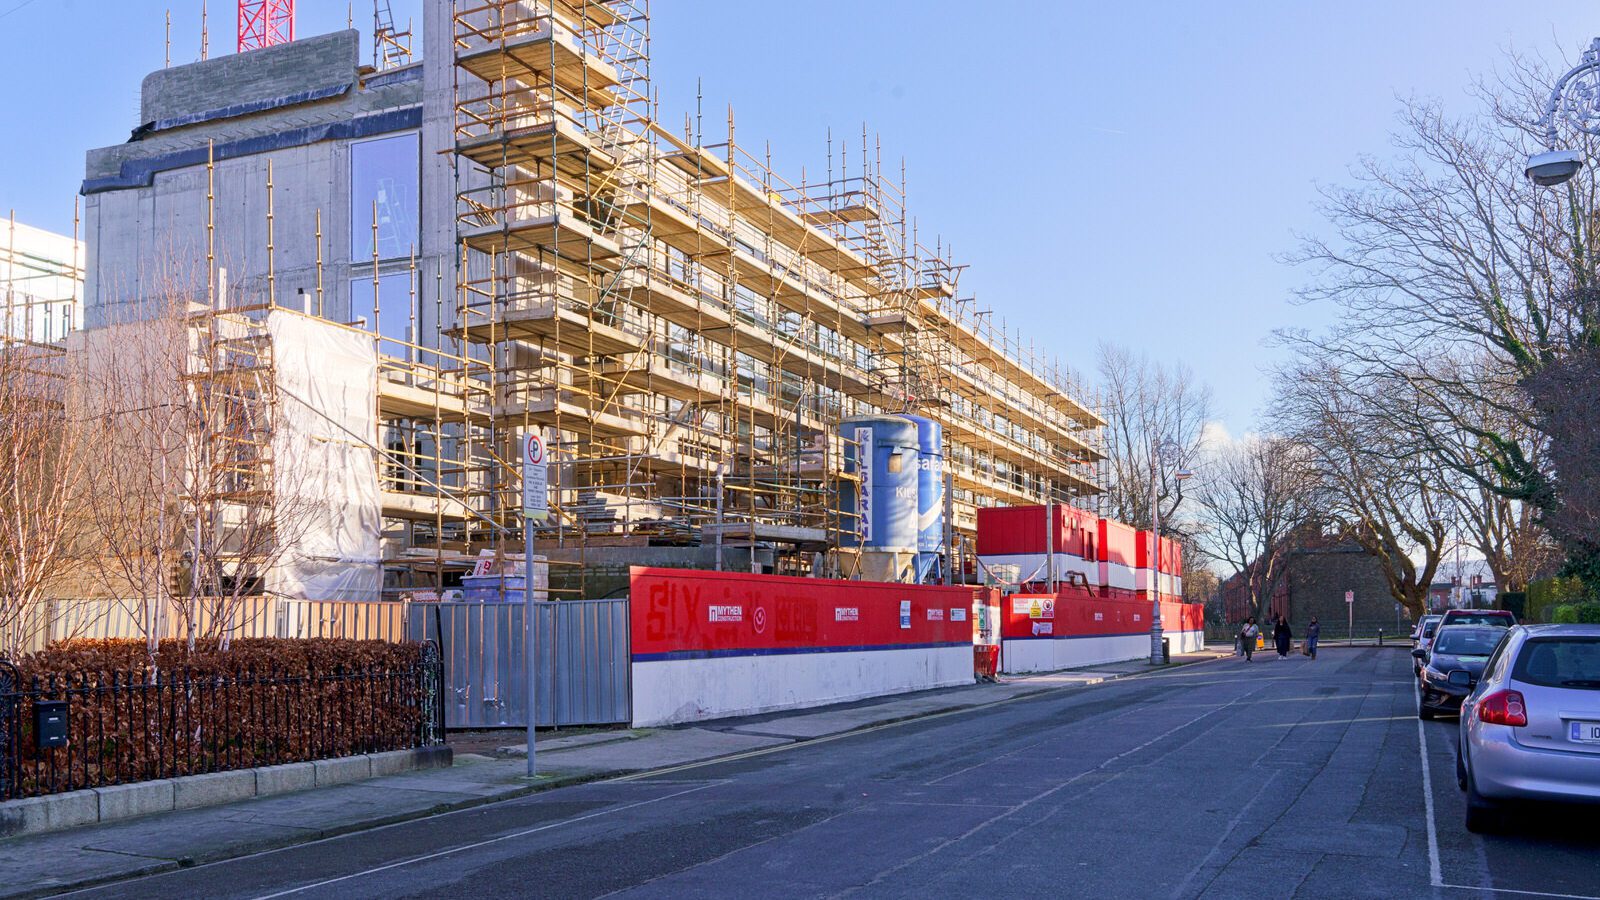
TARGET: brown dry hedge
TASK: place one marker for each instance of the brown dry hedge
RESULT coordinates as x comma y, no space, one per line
264,701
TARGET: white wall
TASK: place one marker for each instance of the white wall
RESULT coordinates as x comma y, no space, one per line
1050,654
667,692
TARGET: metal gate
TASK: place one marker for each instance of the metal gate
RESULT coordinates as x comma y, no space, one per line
581,650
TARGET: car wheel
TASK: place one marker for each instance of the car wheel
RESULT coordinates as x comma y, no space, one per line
1461,768
1483,814
1423,712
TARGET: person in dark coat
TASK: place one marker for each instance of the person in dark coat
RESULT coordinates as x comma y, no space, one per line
1283,636
1313,631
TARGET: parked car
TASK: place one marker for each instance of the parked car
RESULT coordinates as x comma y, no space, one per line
1422,623
1452,665
1503,618
1423,642
1530,730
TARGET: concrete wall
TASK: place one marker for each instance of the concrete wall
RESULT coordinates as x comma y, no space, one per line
1068,652
240,79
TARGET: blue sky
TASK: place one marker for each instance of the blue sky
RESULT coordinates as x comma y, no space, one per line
1116,172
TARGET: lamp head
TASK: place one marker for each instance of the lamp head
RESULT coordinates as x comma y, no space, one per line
1554,167
1181,474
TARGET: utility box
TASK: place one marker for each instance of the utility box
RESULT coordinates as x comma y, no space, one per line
50,724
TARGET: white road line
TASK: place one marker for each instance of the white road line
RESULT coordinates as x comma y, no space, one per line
1494,890
1437,877
473,846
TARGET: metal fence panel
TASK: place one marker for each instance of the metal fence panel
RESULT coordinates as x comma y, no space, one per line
581,651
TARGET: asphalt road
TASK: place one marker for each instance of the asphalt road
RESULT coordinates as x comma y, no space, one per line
1271,779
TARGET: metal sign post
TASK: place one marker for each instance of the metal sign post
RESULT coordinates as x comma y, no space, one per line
1350,607
535,508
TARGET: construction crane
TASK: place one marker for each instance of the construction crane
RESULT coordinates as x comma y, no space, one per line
264,23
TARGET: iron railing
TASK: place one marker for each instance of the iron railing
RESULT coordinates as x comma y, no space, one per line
125,727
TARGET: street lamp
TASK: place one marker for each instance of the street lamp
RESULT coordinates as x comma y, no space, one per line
1575,98
1156,656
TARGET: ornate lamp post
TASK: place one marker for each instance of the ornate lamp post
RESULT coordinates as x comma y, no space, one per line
1156,469
1576,100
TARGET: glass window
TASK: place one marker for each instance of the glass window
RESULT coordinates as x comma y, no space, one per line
1453,642
1565,662
391,315
385,175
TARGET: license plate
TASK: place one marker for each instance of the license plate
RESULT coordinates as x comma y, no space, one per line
1586,732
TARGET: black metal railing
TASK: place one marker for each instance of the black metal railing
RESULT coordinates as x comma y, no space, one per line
125,727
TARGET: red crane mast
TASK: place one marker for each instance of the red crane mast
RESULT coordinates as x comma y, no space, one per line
263,23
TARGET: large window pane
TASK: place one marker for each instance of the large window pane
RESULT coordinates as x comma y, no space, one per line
384,178
390,316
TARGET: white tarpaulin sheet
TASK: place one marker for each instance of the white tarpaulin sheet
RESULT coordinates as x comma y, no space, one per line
325,473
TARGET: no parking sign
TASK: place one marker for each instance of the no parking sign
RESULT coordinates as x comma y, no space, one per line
535,479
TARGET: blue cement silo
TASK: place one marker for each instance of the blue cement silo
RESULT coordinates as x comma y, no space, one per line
930,494
882,452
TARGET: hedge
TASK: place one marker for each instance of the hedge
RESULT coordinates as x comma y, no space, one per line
1577,613
263,702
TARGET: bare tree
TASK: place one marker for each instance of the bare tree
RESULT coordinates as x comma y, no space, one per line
1149,405
1565,396
40,471
1254,497
1506,532
190,512
130,404
1447,250
1373,482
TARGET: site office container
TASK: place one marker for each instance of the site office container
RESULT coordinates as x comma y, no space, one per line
1015,535
1015,530
1171,565
1118,554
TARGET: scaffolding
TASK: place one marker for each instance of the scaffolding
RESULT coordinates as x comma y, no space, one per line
686,328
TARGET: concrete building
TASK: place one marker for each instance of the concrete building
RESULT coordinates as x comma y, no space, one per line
531,252
41,283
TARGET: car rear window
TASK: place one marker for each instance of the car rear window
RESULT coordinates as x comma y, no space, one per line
1486,618
1564,662
1429,629
1475,643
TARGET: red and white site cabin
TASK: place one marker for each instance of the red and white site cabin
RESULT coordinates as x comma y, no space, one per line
1101,609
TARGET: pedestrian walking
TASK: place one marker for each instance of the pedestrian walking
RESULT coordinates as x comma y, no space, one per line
1283,636
1247,638
1313,631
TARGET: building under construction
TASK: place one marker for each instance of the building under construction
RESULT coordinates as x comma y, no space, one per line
526,248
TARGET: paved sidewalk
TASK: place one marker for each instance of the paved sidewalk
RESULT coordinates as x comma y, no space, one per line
43,864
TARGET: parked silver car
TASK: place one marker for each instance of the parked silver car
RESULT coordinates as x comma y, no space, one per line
1530,729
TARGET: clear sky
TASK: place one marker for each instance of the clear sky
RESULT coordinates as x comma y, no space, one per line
1110,171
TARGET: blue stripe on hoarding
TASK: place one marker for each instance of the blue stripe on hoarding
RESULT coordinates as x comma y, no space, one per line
1073,637
675,655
